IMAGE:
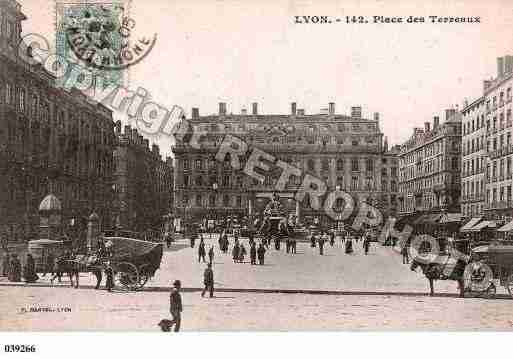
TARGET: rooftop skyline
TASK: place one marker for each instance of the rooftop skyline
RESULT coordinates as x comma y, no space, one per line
234,52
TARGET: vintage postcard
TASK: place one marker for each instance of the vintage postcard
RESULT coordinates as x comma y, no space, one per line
256,166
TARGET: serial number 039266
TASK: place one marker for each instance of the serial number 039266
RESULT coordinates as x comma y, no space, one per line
16,348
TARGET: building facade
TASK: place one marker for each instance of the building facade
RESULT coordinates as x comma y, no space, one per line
143,182
51,141
429,166
498,96
474,159
347,152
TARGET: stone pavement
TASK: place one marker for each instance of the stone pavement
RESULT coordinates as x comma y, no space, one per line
85,310
381,271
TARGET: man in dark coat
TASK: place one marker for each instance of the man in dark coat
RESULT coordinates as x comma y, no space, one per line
5,265
322,239
29,272
293,245
15,269
366,244
175,305
253,253
211,255
332,238
208,281
242,253
235,252
261,254
201,251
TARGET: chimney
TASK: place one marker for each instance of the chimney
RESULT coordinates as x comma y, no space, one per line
500,67
222,108
195,113
128,131
508,64
243,111
254,107
155,148
356,111
135,136
331,108
427,127
146,142
436,122
385,144
118,127
301,112
293,109
376,116
449,113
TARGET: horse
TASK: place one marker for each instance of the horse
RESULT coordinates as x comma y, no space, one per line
434,270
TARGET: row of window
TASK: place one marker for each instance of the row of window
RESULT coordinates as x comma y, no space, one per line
242,127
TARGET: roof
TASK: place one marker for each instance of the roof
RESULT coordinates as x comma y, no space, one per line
507,227
483,225
450,218
50,203
467,226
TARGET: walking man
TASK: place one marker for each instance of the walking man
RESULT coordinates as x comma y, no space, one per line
261,254
293,244
366,244
253,253
208,281
322,240
404,252
175,305
201,250
5,265
211,255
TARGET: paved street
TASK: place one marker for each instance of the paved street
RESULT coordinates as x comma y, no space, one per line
103,311
381,273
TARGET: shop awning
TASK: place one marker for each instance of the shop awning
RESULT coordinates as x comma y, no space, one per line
507,227
483,225
467,226
450,218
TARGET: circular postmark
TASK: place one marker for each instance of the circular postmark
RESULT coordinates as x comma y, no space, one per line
103,38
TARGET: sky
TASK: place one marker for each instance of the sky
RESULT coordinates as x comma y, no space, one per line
241,52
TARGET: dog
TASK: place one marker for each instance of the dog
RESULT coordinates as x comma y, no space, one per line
165,325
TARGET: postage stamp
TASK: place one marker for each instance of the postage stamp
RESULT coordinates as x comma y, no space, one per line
101,36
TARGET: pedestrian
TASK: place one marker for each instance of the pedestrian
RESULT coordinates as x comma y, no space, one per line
404,252
332,238
58,268
5,265
322,240
253,253
29,271
193,239
168,239
349,245
14,269
312,240
208,281
109,273
211,255
366,244
220,241
287,245
261,254
235,252
242,253
294,245
175,305
201,251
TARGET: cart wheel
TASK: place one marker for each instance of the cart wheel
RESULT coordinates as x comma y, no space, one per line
126,276
509,284
144,275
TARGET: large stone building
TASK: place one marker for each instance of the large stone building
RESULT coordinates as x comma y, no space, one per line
345,151
429,166
143,182
474,157
51,141
497,95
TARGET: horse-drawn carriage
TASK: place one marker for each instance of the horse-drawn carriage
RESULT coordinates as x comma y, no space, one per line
489,266
132,261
